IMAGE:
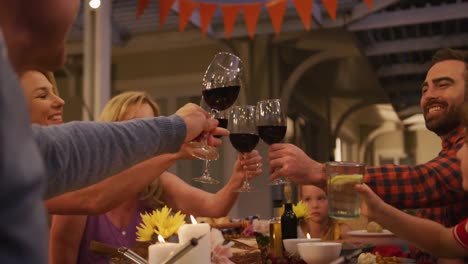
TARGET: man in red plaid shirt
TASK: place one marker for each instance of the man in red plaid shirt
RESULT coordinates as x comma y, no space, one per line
435,186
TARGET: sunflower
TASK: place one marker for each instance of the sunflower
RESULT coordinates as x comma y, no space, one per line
301,210
159,222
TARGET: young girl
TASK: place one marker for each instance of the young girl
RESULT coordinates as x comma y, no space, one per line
319,225
425,234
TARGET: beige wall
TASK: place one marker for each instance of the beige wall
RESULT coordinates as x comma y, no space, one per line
428,146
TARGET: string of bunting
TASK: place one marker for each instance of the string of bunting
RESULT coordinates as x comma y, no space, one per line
230,10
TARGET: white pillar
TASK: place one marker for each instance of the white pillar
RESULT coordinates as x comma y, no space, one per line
97,58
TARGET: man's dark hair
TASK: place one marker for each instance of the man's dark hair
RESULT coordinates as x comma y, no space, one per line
452,54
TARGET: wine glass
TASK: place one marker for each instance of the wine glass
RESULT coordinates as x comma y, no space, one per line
220,88
243,135
222,118
271,123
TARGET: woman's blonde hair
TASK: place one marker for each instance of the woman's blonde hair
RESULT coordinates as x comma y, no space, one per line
117,107
51,78
115,110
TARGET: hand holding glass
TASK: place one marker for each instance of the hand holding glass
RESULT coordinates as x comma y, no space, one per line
243,135
343,201
271,122
220,88
222,119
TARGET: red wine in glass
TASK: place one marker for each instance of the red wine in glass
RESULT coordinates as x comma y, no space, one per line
220,88
271,123
222,122
272,134
243,135
243,142
221,98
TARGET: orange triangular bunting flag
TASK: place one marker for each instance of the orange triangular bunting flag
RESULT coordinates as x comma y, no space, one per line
207,12
330,6
142,5
276,9
164,10
251,13
186,8
229,16
369,3
304,10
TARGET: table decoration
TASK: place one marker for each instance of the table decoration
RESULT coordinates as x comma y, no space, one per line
220,252
202,253
159,222
160,251
301,210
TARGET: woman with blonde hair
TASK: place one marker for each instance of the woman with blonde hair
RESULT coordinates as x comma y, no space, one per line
40,91
71,235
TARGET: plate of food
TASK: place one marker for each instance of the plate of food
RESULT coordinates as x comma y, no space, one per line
376,235
384,232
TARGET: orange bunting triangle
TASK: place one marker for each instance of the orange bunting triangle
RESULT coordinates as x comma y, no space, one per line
304,10
186,8
207,12
142,5
369,3
164,10
276,10
330,6
251,13
229,16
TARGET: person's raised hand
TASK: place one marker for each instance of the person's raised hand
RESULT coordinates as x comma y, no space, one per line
287,160
197,121
218,131
249,164
371,202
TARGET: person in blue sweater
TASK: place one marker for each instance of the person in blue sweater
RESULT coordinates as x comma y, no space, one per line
40,162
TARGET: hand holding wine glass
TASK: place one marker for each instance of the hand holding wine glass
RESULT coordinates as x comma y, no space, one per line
196,121
222,122
243,135
271,123
220,88
249,164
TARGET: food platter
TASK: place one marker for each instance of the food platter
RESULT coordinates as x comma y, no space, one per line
384,232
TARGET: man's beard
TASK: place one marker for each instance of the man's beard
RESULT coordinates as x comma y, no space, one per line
443,124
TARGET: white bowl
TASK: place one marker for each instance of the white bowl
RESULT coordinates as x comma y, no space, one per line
290,244
319,252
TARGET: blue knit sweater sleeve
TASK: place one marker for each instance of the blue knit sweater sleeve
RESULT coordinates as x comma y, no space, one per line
78,154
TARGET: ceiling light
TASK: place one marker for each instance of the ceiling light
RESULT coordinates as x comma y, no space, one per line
94,4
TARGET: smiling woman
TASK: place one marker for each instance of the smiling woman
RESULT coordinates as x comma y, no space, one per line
40,91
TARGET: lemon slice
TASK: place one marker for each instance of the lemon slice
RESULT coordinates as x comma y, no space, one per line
346,179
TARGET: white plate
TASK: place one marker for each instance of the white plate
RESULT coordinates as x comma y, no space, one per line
385,232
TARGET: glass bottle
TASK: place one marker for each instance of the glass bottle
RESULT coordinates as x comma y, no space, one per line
288,219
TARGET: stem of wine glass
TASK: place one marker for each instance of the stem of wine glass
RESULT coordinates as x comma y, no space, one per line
279,181
212,113
206,173
245,184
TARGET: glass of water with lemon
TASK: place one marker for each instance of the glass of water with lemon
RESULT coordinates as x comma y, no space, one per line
343,201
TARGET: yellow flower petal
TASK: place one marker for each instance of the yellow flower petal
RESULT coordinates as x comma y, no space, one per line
301,210
159,222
